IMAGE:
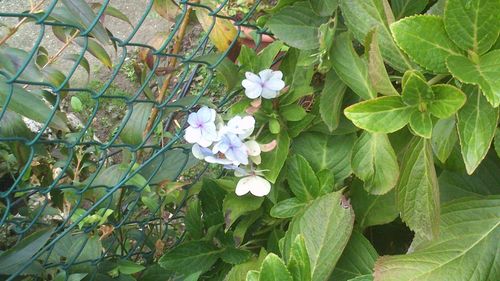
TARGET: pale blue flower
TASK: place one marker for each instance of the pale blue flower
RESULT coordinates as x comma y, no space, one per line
202,129
267,84
241,126
233,148
206,154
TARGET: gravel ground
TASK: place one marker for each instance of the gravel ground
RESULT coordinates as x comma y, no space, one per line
28,33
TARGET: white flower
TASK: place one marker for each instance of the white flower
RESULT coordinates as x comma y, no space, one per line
267,84
233,148
243,127
254,184
201,128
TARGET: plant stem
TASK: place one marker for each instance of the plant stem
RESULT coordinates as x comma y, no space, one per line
14,29
436,79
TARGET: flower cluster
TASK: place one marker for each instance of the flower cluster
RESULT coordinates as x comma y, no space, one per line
230,144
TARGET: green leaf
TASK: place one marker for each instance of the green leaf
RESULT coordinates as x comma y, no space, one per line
484,181
366,277
191,257
457,254
17,256
253,275
324,8
417,193
330,101
132,133
372,209
83,62
326,181
112,11
350,67
326,226
416,92
13,126
212,196
12,60
293,112
421,124
193,219
297,26
129,267
29,105
405,8
82,12
447,100
476,123
239,272
267,56
380,115
444,138
96,50
425,40
358,259
483,73
235,206
362,16
235,256
497,142
374,161
302,180
298,264
273,268
167,9
167,165
76,104
473,25
274,160
287,208
324,152
227,70
376,68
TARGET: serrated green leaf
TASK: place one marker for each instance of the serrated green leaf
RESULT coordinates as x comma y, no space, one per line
287,208
374,161
444,137
425,40
476,124
457,255
293,112
239,272
405,8
372,209
302,180
358,259
473,25
350,67
129,267
421,124
376,68
297,26
326,226
235,256
191,257
330,101
273,268
380,115
298,264
362,16
483,73
447,100
416,91
235,206
417,193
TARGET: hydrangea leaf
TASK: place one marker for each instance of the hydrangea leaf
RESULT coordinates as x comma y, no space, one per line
473,25
299,264
444,137
273,268
457,255
425,40
304,183
330,101
416,92
324,8
380,115
421,124
447,100
376,67
405,8
484,73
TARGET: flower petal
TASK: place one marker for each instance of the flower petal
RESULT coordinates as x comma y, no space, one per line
200,152
269,94
193,119
206,114
253,148
242,187
278,75
252,77
215,160
265,74
192,135
274,84
252,90
259,186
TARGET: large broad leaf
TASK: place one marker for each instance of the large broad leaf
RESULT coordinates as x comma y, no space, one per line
376,67
297,26
132,133
235,206
16,257
83,13
273,268
167,165
417,193
467,249
477,122
484,181
191,257
221,31
484,73
358,259
380,115
330,101
324,8
273,161
473,25
404,8
239,272
303,181
444,138
447,100
287,208
425,40
362,16
350,67
372,209
29,105
325,152
374,161
326,226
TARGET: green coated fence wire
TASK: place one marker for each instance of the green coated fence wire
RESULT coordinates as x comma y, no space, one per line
114,214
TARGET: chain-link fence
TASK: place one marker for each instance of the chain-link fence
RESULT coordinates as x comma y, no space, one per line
75,201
